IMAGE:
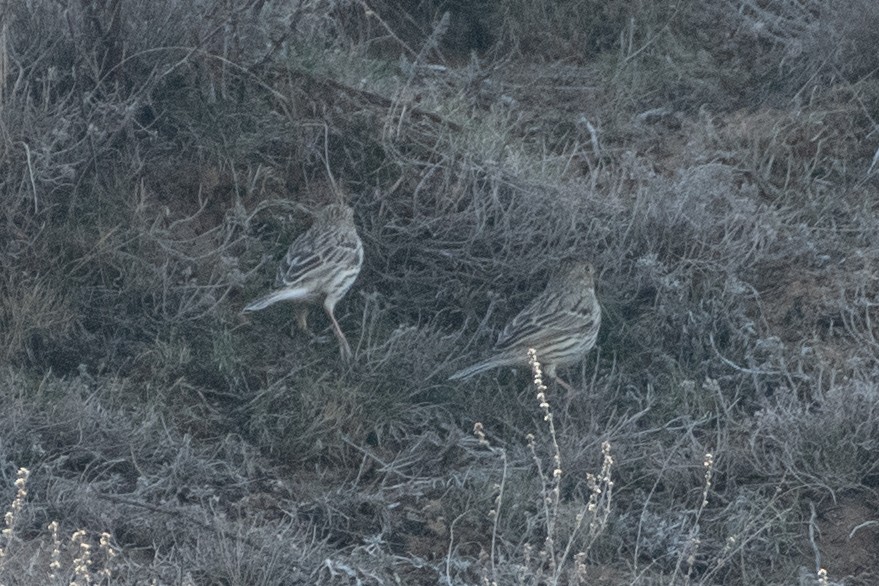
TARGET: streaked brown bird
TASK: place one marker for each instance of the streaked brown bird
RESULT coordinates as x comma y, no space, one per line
320,266
561,324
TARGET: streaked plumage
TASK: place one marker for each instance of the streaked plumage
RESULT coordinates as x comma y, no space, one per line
320,266
561,324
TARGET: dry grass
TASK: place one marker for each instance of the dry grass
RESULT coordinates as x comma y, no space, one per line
156,162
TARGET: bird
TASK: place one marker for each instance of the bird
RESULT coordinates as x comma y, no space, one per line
320,266
561,324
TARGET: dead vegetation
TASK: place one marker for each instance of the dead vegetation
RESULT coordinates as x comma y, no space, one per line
716,163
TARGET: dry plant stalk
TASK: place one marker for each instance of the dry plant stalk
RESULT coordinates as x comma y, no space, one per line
13,511
600,490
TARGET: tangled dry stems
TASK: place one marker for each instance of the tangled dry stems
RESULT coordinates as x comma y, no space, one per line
143,198
87,563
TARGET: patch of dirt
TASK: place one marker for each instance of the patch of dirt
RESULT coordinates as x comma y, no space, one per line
847,537
796,302
827,310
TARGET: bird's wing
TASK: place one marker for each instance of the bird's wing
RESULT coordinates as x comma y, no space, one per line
311,253
545,318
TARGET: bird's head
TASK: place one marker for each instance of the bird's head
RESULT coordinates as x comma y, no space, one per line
577,272
336,214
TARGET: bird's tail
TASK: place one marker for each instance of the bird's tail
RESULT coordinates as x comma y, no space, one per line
482,367
274,297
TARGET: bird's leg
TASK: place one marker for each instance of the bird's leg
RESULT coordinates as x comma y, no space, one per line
302,318
345,349
301,313
563,384
550,371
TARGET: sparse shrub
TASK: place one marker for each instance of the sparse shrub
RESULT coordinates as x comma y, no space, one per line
831,437
580,29
85,561
812,38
